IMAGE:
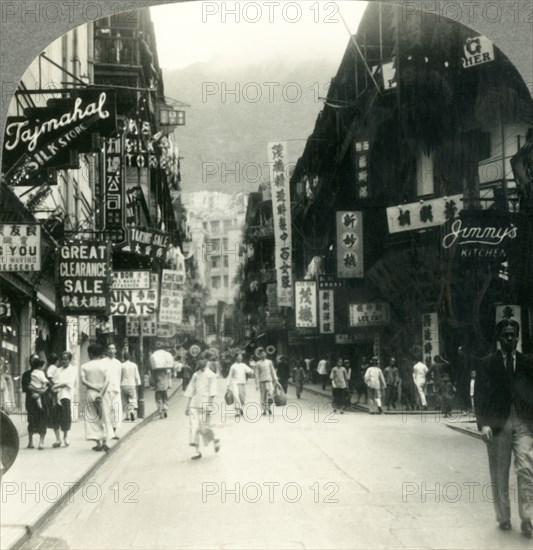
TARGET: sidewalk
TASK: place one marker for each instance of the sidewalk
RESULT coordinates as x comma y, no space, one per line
40,482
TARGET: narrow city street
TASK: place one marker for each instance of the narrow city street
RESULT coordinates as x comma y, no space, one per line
318,481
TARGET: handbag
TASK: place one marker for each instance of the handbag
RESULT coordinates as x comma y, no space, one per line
229,397
280,399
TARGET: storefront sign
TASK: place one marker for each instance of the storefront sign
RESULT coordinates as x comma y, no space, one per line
136,302
171,304
327,311
281,209
20,247
330,282
114,191
350,245
147,242
131,280
423,214
513,313
166,330
362,153
430,337
369,315
84,274
351,338
305,304
476,51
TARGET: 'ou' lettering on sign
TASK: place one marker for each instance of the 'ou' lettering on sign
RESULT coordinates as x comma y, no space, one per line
350,245
430,337
327,310
20,247
281,208
305,304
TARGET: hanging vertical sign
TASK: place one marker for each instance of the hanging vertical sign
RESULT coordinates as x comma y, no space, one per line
305,304
114,191
171,304
281,208
20,247
362,150
327,317
84,275
430,337
512,313
350,245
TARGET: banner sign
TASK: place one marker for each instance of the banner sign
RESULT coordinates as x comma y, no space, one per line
46,136
20,247
430,337
171,303
330,282
84,275
484,235
114,191
350,245
369,315
423,214
147,242
477,50
136,302
281,212
327,310
305,304
362,152
131,280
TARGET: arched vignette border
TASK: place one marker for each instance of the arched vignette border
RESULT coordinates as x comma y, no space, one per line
513,33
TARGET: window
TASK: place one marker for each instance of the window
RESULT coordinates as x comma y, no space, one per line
205,225
226,281
215,261
227,225
226,261
215,227
215,282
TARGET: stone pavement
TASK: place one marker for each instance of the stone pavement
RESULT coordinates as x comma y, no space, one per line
40,482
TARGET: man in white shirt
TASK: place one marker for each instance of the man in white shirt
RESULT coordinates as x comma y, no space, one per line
129,380
65,383
237,382
265,377
201,392
162,363
95,377
322,370
420,371
113,399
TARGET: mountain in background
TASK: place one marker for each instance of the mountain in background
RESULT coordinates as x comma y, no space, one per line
226,132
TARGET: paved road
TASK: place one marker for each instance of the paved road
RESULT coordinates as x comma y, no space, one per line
306,480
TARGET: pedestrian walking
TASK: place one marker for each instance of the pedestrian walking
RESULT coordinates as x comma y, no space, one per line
162,362
339,383
130,379
376,384
392,379
504,413
54,413
299,377
96,376
347,395
472,388
407,385
322,371
113,398
237,382
214,364
7,391
186,374
201,392
359,381
284,372
265,377
64,386
448,396
420,371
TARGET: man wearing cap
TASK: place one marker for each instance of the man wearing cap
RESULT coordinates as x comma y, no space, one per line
376,383
503,398
265,376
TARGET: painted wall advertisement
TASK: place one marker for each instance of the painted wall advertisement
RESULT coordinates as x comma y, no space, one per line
369,315
126,302
281,208
20,247
430,337
327,309
305,304
350,245
171,306
84,275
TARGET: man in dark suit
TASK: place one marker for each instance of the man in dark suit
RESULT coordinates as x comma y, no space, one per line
503,399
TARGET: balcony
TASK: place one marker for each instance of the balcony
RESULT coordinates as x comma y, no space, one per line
111,50
262,231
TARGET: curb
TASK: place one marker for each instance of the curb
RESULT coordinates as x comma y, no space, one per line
34,527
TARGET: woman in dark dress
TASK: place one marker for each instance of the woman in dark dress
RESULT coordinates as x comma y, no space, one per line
37,415
408,385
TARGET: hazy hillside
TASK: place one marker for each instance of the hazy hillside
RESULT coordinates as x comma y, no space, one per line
224,131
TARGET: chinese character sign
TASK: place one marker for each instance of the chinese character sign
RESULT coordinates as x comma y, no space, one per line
350,245
369,315
430,337
327,317
281,209
20,247
305,304
84,274
362,151
171,304
114,190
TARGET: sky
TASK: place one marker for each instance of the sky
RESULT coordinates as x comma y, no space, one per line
250,32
